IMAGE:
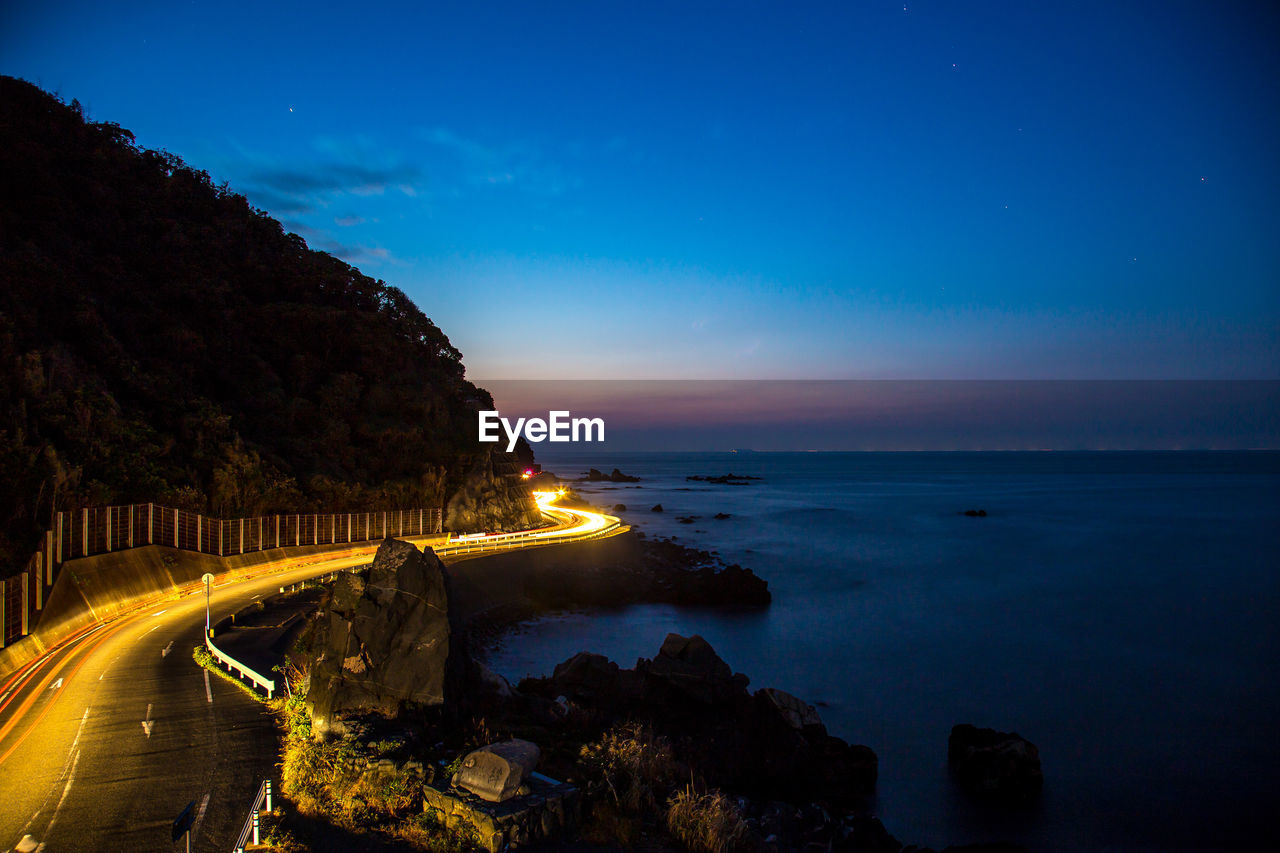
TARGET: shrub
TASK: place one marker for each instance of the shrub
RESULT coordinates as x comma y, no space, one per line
636,767
709,823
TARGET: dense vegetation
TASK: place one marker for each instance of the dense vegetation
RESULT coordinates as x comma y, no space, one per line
161,340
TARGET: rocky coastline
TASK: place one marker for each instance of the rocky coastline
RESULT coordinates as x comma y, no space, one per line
388,659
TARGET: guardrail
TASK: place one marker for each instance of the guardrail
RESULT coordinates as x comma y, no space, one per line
251,823
231,663
511,540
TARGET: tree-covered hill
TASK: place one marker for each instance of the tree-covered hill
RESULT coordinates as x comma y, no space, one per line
161,340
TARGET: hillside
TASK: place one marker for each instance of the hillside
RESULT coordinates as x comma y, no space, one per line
161,340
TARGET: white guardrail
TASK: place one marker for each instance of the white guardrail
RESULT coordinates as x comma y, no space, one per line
267,684
262,799
503,541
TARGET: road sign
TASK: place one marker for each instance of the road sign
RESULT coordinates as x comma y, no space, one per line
207,578
185,821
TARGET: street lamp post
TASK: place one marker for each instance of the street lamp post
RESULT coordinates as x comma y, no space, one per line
208,582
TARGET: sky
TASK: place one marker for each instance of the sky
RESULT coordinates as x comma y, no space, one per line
756,190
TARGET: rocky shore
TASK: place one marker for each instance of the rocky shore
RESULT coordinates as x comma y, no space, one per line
388,696
495,592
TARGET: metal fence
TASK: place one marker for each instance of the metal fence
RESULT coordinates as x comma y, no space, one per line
99,530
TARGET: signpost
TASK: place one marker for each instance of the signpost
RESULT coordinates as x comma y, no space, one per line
182,826
208,583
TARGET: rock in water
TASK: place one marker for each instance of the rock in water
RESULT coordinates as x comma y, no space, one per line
496,772
382,644
992,764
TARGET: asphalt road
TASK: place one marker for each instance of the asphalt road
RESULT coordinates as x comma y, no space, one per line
105,739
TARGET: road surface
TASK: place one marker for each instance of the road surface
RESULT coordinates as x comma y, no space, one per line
106,738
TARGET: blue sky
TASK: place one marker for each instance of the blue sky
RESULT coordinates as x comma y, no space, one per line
751,190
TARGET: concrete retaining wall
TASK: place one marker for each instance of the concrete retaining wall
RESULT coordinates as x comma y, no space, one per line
100,588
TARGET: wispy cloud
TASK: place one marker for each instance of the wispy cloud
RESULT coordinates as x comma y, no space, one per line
520,165
348,221
324,242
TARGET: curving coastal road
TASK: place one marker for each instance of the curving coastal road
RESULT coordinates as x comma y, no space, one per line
108,736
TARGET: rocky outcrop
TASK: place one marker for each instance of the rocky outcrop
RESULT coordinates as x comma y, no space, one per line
616,476
767,743
384,643
492,499
729,479
994,765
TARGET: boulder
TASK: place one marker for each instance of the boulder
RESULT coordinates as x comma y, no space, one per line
495,773
795,713
994,765
384,643
619,508
690,666
656,508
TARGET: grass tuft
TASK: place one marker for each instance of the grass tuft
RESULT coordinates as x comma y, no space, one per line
706,823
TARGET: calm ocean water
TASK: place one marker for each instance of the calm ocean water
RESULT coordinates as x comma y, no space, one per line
1117,609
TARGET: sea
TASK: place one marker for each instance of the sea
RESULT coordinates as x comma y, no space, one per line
1117,609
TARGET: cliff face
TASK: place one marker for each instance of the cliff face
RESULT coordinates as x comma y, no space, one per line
161,340
492,498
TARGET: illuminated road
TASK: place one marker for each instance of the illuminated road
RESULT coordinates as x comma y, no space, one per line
107,737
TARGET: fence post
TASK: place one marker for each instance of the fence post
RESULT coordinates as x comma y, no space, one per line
175,528
151,524
48,560
348,527
132,510
26,581
242,536
39,581
84,543
255,824
59,523
222,524
269,795
200,533
277,531
108,528
4,626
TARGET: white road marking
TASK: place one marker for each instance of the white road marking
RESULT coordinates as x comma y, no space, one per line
65,766
208,694
204,804
153,629
57,684
54,820
164,653
148,722
160,613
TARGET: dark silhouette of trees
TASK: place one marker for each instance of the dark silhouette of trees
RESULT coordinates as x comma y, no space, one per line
162,340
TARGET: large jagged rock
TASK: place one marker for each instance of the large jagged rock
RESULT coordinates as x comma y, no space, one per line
383,644
994,765
493,498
